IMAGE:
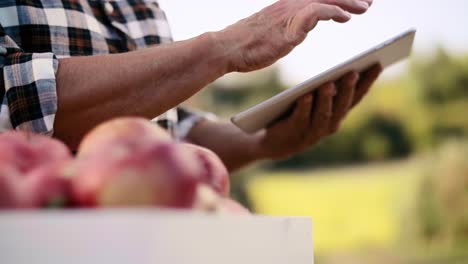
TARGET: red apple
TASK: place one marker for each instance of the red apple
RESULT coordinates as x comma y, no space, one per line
122,135
215,172
16,152
45,187
8,175
156,175
49,150
28,151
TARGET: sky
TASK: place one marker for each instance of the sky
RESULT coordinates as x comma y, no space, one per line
438,23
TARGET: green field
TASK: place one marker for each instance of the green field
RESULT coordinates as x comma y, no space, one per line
352,208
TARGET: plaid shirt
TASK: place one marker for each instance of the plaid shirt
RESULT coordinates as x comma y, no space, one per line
34,34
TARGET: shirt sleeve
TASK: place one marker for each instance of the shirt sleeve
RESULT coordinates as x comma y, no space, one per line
27,88
188,118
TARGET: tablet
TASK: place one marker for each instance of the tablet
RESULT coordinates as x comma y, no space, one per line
387,53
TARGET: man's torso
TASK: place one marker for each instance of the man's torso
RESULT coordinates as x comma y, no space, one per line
85,27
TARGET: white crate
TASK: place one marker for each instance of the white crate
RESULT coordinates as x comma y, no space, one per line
152,237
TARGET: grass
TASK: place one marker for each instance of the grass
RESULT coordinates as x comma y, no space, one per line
352,208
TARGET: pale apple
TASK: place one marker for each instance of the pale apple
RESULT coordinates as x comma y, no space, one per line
215,173
230,206
207,199
160,174
120,136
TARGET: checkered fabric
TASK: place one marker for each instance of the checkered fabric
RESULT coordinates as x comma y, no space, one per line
35,34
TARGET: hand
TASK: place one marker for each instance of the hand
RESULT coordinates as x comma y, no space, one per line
260,40
315,116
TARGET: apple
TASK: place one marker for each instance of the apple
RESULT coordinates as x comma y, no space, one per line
7,186
215,172
43,187
207,199
120,136
48,150
16,152
230,206
27,151
48,186
161,174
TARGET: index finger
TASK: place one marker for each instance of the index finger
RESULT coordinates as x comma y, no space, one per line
353,6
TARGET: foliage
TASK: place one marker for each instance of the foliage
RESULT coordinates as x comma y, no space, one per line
441,83
379,137
442,78
443,200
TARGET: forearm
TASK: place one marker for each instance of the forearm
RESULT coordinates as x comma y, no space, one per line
233,146
142,83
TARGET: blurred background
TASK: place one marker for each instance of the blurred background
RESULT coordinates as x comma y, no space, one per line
392,185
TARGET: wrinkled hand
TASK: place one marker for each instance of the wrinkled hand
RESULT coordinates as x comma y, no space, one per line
316,115
263,38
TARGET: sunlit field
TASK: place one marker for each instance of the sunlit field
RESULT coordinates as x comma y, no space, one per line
352,208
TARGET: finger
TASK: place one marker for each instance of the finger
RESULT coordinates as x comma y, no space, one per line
367,79
322,112
344,99
315,12
353,6
369,2
300,119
